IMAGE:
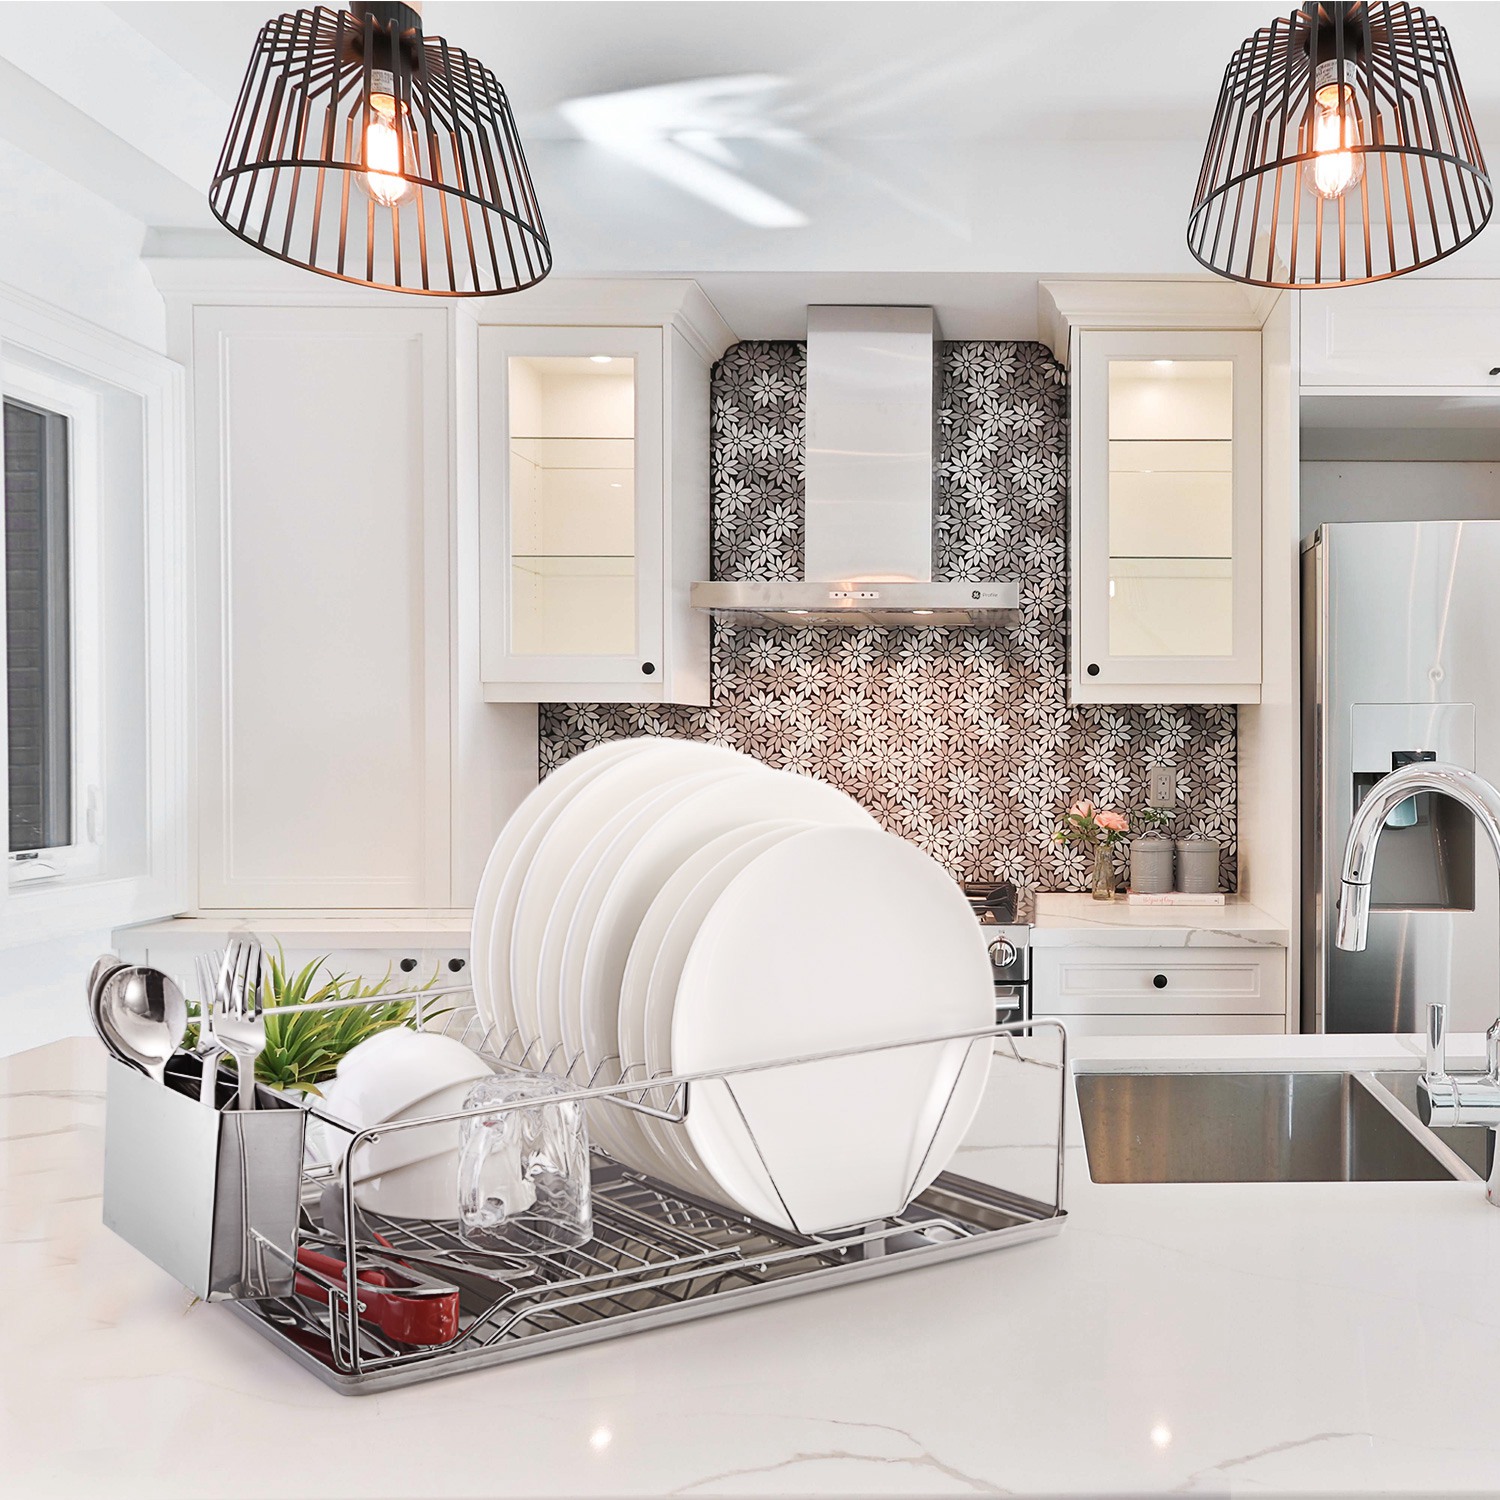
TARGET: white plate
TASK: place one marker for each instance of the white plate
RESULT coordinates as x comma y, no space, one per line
633,874
522,829
655,767
577,903
634,880
573,914
830,939
652,973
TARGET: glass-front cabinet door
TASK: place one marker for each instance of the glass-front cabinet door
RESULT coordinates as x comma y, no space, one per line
571,477
1166,516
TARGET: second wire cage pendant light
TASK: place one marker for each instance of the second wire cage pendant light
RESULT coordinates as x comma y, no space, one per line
1342,151
362,150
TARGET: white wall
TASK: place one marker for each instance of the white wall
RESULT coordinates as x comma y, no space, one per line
67,246
1387,490
42,990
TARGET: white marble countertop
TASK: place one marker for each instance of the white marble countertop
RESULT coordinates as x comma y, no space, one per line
1281,1339
1067,920
1062,919
432,929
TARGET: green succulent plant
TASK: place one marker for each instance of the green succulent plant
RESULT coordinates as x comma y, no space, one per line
304,1050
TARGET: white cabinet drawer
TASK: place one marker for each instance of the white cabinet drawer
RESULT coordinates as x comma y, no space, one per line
1433,333
1142,981
1173,1025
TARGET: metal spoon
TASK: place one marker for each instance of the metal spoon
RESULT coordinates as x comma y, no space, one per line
103,962
142,1016
103,968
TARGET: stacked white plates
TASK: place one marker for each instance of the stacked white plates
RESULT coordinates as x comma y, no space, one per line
663,906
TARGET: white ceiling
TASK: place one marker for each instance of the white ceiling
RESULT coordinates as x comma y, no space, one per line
782,153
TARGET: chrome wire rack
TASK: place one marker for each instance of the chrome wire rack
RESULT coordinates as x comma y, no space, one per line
658,1254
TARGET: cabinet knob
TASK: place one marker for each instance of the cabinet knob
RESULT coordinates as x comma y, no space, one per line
648,667
455,965
407,965
1496,370
1159,980
1093,669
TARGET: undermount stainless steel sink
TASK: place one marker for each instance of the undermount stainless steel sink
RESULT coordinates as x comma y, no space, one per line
1473,1143
1259,1127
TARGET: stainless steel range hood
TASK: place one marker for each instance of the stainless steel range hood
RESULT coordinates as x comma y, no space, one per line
871,414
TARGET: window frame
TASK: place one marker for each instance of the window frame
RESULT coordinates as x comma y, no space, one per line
145,880
80,858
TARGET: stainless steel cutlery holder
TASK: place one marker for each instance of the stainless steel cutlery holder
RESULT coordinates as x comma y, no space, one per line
211,1195
227,1203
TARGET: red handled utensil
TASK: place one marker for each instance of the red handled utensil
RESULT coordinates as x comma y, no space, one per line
405,1305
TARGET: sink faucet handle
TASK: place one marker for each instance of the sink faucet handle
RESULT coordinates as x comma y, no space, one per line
1437,1041
1492,1051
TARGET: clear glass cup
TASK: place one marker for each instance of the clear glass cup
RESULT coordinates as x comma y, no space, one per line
523,1173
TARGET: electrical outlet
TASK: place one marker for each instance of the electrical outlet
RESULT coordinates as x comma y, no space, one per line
1161,786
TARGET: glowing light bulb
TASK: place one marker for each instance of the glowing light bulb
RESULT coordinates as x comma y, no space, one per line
1334,168
382,178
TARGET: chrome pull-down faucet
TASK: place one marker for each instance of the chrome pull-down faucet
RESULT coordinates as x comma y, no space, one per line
1443,1098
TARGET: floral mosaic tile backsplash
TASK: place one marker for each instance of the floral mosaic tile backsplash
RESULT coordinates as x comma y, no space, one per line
960,740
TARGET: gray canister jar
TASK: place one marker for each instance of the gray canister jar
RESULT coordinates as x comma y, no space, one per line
1151,866
1198,866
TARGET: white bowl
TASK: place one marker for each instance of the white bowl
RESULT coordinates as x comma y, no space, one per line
384,1076
423,1190
404,1148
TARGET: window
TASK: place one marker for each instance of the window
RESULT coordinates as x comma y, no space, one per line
38,614
93,551
53,633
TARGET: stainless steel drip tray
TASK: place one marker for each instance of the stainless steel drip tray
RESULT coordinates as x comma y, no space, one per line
1256,1127
658,1257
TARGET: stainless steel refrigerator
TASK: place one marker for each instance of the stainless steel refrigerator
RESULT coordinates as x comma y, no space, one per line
1401,661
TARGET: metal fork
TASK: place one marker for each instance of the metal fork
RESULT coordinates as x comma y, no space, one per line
209,968
238,1019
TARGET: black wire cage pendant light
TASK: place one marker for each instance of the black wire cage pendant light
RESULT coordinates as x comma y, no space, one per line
1342,151
361,149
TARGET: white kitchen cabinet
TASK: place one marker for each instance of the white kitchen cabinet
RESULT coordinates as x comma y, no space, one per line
322,501
403,950
594,512
1404,335
1161,991
1166,516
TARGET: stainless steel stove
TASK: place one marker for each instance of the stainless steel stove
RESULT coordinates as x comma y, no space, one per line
1005,915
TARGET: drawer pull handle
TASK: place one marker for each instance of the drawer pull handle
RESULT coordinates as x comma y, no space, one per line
1159,980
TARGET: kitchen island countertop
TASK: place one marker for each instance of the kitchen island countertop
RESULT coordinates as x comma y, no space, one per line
1065,919
1270,1338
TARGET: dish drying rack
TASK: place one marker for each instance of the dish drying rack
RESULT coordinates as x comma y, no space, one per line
658,1254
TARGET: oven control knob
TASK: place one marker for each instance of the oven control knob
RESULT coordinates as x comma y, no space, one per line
1003,953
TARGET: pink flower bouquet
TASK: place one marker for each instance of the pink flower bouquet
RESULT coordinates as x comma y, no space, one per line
1083,823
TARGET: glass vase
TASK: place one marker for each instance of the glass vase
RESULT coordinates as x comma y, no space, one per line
1104,874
